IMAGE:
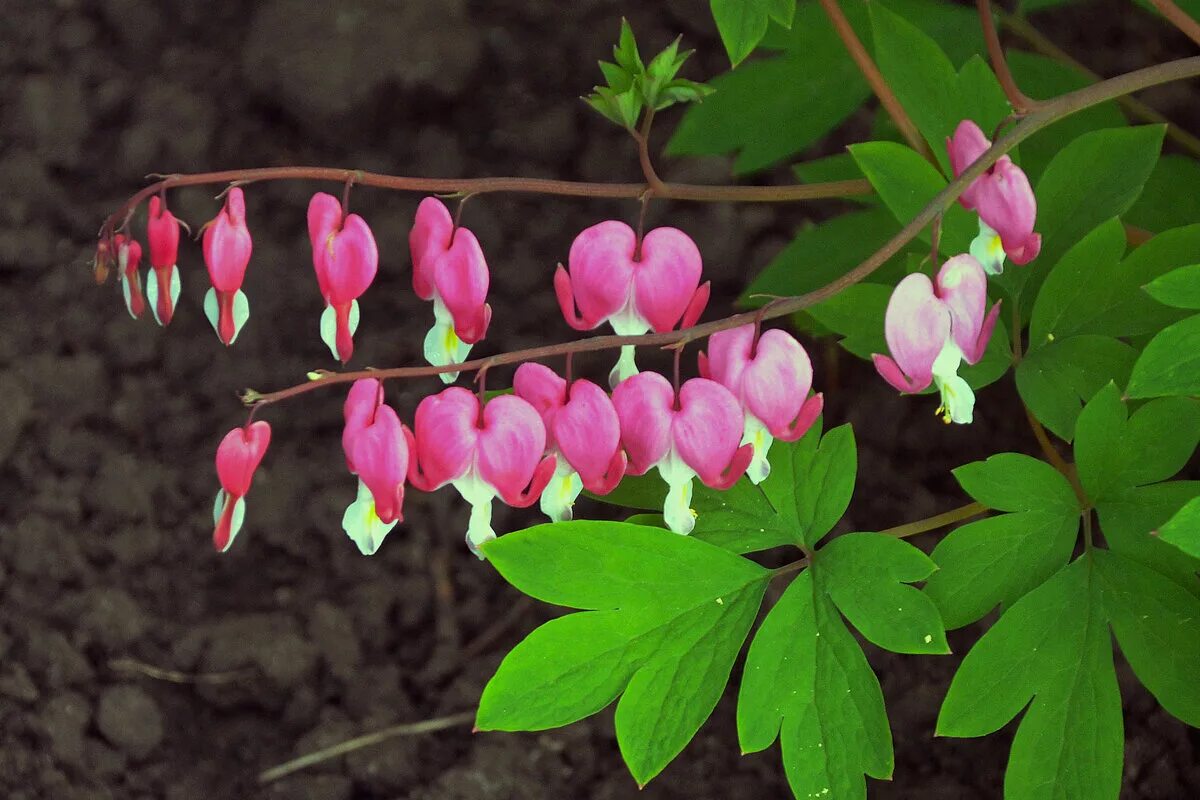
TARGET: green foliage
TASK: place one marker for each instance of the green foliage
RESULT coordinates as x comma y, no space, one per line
932,92
1179,288
999,559
1183,529
1169,199
807,492
1050,651
634,86
807,683
1056,379
1170,365
743,23
663,618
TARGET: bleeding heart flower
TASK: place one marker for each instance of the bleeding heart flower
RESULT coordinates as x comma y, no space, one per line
496,453
227,246
931,327
771,380
345,259
1003,198
238,456
698,436
162,234
378,449
607,280
129,258
449,268
582,431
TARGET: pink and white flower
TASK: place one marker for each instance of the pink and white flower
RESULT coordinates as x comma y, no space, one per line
238,456
129,258
771,380
496,451
227,247
345,259
932,326
582,432
378,449
449,268
1003,198
607,280
698,436
162,234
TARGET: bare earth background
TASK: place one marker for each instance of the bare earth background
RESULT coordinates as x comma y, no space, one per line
108,425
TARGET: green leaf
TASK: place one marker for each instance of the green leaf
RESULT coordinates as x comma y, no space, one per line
856,315
1042,77
867,576
742,24
1157,625
1099,451
1049,651
1179,288
1170,198
906,183
666,616
1094,178
1081,286
837,167
1016,482
1170,364
1129,518
807,683
625,53
1055,380
1135,312
811,486
1183,529
821,253
773,108
925,82
998,560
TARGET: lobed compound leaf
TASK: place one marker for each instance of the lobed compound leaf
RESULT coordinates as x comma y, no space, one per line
1170,364
1050,655
1017,482
1129,519
664,617
1057,379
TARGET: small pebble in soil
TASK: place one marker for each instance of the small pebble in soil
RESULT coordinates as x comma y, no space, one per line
130,720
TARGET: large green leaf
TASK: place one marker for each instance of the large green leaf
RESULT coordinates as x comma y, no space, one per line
1170,364
1179,288
1081,286
1170,198
932,92
1183,529
1157,624
1057,379
743,23
906,183
664,619
810,486
1128,521
1137,313
999,559
1050,651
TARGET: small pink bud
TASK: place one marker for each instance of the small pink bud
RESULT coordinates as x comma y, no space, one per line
345,259
364,397
965,147
162,233
238,457
227,246
129,258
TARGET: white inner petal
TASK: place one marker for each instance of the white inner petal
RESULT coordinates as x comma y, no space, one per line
988,250
756,433
958,401
677,509
558,498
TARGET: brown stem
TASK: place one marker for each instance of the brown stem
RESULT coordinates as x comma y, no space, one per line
1020,102
1039,42
642,137
1179,18
875,79
616,191
1051,111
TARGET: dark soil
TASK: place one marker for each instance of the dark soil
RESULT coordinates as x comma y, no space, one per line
292,640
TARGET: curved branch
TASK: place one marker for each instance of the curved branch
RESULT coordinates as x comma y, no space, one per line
1021,102
1179,18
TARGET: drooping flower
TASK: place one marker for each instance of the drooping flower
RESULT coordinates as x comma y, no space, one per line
345,259
378,449
1003,199
697,437
932,326
449,269
129,258
162,234
227,246
771,379
238,456
582,431
483,455
607,280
